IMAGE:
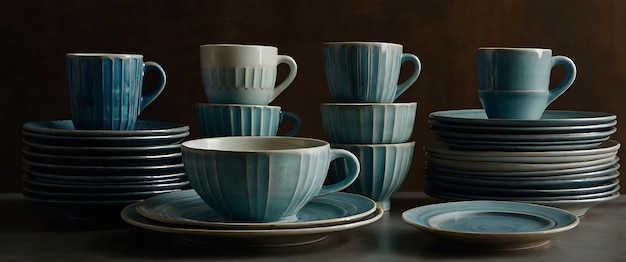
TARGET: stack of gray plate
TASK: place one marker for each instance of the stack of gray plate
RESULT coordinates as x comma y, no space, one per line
566,159
95,173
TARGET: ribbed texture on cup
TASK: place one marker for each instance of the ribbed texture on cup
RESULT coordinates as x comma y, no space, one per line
368,123
362,73
259,187
383,168
215,121
239,85
104,91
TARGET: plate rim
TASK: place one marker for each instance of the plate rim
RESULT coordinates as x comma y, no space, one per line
599,117
271,225
175,128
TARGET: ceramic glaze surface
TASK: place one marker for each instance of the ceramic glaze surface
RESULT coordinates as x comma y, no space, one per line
217,120
142,128
248,237
383,169
515,69
243,74
187,208
550,118
499,225
514,104
367,72
262,179
368,123
106,89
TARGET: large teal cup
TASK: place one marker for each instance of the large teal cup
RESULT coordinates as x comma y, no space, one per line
217,120
106,89
512,81
262,179
367,72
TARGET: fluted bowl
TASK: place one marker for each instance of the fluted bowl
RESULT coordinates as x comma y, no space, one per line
368,123
383,169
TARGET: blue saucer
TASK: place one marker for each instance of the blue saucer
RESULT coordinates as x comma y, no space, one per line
477,117
187,208
497,225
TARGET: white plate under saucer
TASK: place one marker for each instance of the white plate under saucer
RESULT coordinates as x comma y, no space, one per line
494,225
245,237
187,208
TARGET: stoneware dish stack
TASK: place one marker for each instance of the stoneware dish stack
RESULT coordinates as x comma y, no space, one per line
104,158
365,119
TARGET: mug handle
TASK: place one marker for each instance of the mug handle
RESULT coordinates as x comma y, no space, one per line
353,171
147,99
553,94
417,69
293,71
294,119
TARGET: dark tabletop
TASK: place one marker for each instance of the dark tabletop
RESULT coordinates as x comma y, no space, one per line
33,231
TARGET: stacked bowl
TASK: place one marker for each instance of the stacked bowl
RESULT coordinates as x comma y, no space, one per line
239,82
365,120
566,159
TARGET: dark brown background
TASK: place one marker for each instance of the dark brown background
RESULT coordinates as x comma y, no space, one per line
35,35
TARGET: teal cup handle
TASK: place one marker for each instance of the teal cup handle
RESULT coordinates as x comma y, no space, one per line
147,99
570,76
417,69
353,169
293,71
294,119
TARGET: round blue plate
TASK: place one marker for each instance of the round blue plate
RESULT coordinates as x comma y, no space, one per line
498,225
477,117
142,128
187,208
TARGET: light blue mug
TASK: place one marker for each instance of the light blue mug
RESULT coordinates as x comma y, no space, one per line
263,179
216,120
514,83
105,90
367,72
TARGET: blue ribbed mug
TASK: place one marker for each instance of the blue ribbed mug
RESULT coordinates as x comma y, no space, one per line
216,120
367,72
263,178
514,83
105,90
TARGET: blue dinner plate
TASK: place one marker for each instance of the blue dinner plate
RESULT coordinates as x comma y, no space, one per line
187,208
519,130
142,128
64,150
560,138
498,225
478,117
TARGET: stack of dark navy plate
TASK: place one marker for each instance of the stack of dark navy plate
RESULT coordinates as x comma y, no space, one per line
566,159
95,173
